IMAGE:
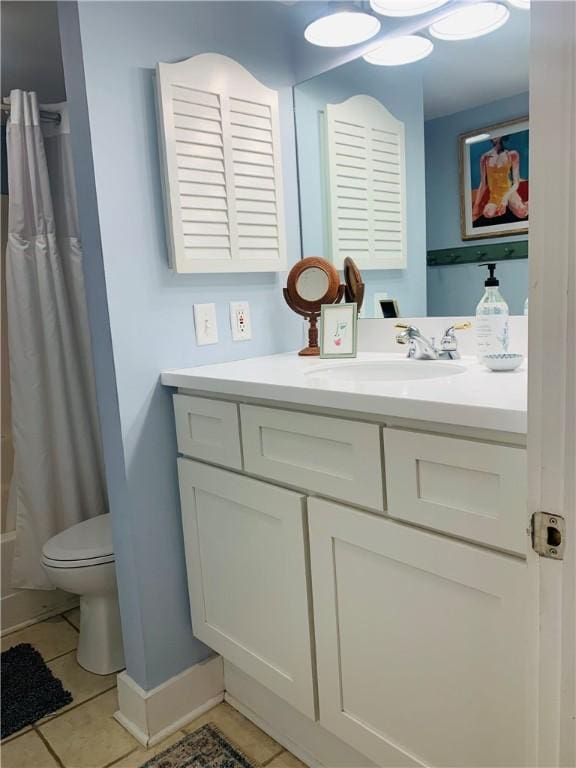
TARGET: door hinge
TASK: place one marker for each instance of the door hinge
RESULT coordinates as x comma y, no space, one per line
548,535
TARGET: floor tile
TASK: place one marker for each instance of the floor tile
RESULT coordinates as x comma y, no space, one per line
285,760
141,755
88,736
73,617
82,685
27,751
245,735
51,638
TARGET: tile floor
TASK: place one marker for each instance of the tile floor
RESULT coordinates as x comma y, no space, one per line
85,735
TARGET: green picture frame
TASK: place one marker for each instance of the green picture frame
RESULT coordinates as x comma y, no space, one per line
338,331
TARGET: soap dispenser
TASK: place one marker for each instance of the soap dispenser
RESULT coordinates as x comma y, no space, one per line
491,318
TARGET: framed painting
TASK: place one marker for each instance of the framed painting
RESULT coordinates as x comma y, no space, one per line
494,180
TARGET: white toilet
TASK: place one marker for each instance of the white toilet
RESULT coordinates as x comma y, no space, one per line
81,560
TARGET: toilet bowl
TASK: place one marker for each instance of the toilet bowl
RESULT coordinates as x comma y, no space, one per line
81,560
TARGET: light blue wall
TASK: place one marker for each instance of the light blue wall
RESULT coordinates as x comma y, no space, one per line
400,90
456,290
150,324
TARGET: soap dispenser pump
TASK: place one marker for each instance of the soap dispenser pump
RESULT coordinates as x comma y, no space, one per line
491,318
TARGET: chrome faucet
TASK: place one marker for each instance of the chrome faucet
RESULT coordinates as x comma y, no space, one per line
421,348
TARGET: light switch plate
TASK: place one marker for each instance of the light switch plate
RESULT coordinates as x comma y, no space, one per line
240,322
206,324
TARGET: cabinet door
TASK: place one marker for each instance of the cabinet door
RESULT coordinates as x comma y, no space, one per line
219,131
246,563
424,643
367,184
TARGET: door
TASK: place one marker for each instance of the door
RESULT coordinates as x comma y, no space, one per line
552,363
245,557
426,648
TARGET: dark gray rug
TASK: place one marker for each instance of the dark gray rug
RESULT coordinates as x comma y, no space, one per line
205,748
29,689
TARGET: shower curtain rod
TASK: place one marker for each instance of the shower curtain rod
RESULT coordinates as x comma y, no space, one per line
51,117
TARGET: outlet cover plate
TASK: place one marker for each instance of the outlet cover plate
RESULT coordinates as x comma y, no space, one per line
206,324
240,321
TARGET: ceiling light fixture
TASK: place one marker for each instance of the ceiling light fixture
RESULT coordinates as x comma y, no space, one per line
400,50
470,21
405,7
343,28
523,4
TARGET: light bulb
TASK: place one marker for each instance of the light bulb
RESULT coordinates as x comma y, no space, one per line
400,50
470,21
404,7
343,28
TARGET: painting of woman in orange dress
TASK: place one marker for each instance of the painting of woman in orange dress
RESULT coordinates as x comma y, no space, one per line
495,194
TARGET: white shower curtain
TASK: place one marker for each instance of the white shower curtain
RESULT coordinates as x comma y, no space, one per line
58,477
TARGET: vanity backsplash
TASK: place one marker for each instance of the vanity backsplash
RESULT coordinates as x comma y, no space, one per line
379,335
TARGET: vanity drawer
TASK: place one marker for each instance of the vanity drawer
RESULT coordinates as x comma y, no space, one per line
332,457
470,489
208,430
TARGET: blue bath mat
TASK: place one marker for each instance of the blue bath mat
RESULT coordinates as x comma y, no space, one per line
204,748
29,689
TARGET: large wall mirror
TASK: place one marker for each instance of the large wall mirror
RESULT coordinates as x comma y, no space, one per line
419,172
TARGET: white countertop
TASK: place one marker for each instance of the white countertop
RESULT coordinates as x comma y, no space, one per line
476,398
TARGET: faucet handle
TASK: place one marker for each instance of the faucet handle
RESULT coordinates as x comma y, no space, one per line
449,332
449,343
406,332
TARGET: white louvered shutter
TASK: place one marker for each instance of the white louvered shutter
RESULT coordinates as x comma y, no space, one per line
220,150
366,184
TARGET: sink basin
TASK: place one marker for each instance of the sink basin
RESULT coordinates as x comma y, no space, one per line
374,371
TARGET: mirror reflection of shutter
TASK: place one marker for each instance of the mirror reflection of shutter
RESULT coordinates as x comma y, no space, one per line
222,175
367,184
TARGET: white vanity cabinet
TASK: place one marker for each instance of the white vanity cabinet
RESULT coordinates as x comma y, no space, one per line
385,592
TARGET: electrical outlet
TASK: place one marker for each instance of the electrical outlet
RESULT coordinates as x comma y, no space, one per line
206,324
240,320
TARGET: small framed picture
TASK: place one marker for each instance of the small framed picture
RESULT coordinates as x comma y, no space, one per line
338,330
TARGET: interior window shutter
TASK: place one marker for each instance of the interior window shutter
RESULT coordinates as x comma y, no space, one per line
366,184
222,172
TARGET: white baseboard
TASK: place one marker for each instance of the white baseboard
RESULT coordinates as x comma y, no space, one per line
151,716
305,738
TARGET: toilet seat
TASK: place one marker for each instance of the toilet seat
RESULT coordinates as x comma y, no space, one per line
83,545
77,563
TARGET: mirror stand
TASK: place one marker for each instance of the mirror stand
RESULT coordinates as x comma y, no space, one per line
312,317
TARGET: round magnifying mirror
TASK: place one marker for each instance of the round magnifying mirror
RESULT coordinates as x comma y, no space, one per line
354,292
312,284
